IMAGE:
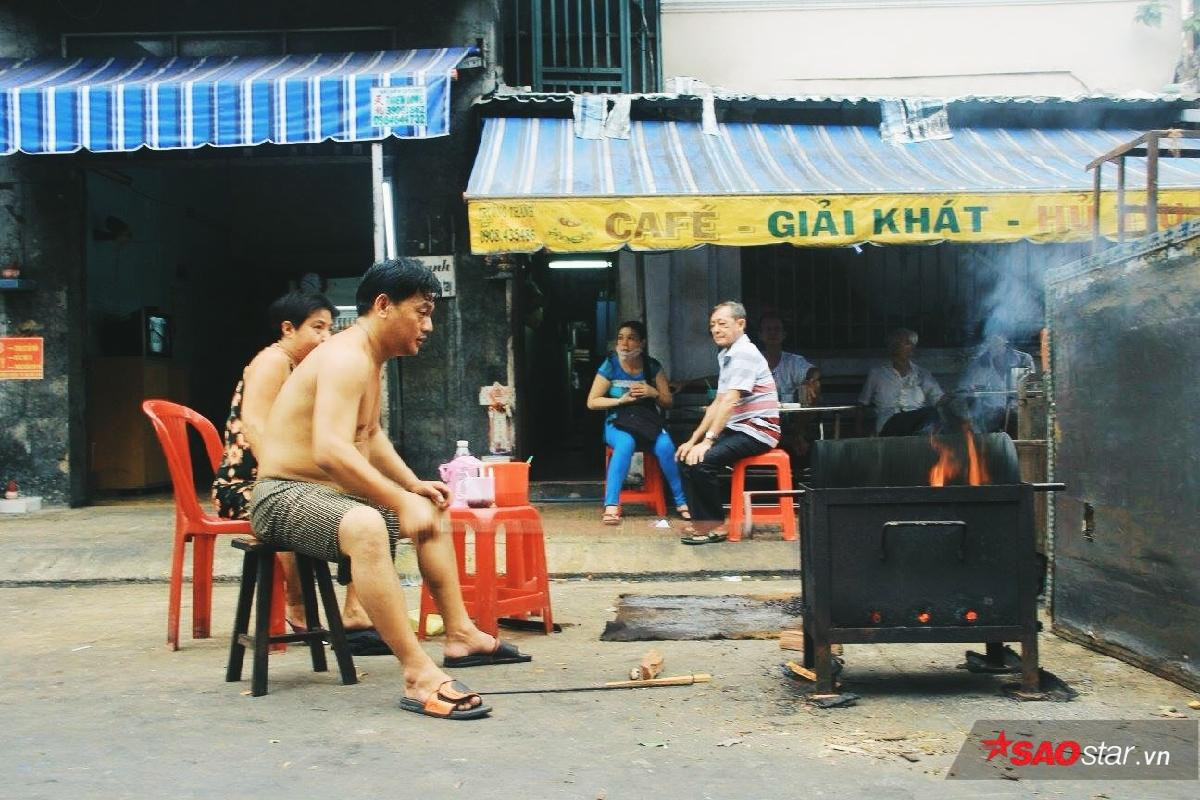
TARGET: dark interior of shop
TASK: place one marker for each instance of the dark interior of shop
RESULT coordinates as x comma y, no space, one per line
569,324
182,262
838,304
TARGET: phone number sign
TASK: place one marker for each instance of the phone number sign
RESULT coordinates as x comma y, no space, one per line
397,106
21,359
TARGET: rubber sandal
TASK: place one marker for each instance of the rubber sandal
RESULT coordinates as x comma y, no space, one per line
683,512
367,642
610,518
712,537
444,706
504,653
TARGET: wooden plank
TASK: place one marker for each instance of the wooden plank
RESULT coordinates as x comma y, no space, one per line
1152,182
1117,151
1131,148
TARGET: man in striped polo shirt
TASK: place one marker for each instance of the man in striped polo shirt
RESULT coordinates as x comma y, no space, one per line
742,421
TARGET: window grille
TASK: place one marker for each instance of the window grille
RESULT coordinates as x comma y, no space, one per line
582,45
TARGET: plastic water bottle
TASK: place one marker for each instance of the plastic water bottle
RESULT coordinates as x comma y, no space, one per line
463,465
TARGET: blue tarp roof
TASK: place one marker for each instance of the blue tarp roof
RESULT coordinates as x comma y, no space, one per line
523,157
112,105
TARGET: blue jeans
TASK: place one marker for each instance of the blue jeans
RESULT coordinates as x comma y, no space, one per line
623,446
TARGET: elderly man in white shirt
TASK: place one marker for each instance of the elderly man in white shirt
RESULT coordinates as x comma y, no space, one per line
905,395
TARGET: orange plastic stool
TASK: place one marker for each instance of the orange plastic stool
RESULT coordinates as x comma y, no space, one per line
781,514
651,493
522,589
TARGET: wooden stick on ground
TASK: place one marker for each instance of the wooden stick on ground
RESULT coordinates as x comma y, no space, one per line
678,680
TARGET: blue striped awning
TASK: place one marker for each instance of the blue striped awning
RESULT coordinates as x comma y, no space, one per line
114,105
532,158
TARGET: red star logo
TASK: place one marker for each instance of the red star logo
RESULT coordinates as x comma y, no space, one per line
997,746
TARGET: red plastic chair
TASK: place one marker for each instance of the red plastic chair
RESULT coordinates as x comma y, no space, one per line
192,523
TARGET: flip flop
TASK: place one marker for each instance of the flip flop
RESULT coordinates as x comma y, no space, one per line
444,706
609,518
367,642
504,653
683,512
712,537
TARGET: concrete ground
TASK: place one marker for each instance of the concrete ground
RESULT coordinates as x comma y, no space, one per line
130,540
95,706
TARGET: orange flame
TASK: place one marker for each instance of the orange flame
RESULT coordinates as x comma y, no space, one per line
977,473
948,466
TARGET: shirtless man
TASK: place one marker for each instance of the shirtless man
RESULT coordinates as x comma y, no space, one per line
323,449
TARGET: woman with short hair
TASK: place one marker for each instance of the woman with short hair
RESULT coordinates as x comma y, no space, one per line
301,321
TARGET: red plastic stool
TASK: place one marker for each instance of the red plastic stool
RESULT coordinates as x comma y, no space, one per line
781,514
523,588
651,493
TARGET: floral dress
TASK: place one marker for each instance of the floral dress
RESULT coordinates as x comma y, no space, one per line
235,477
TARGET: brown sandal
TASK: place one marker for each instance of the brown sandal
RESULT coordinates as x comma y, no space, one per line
683,512
611,517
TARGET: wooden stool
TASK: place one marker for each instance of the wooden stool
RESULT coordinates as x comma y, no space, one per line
258,567
651,492
781,514
523,588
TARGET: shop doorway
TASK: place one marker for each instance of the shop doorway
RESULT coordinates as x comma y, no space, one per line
570,324
183,256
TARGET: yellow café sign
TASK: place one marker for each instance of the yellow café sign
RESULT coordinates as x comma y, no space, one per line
599,224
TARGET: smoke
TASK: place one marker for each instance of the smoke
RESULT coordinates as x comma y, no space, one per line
1011,302
1006,318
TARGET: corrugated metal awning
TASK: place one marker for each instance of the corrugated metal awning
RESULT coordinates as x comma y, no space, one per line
113,105
767,183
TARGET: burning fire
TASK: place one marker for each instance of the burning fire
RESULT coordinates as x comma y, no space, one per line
948,466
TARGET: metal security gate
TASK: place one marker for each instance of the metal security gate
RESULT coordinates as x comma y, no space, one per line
582,45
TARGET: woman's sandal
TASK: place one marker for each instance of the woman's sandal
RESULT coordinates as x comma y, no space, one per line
702,533
711,537
683,512
611,517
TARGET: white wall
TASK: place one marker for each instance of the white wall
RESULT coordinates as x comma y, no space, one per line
920,47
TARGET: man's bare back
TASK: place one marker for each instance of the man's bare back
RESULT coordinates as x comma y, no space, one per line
288,447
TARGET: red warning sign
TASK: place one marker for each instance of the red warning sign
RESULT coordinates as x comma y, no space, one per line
21,359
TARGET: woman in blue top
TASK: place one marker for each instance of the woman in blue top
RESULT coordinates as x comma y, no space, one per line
627,376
